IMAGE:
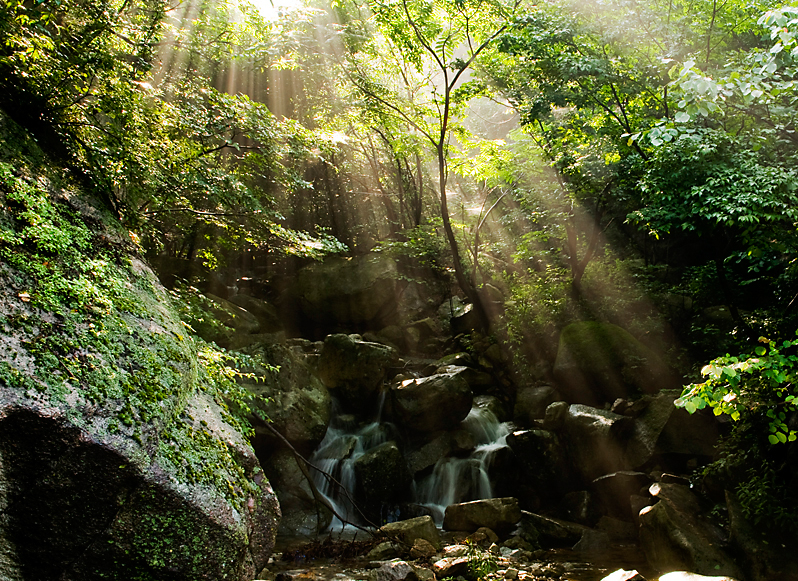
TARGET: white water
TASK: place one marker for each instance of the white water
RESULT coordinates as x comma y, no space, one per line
455,480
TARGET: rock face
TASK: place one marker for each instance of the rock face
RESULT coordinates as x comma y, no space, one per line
295,400
353,370
118,458
674,538
497,514
429,404
599,362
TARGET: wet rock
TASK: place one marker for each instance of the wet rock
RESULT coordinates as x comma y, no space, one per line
540,466
614,491
493,404
478,381
354,370
531,403
292,397
600,362
395,571
648,426
381,474
623,575
429,404
385,551
595,439
410,530
498,514
685,576
429,453
673,537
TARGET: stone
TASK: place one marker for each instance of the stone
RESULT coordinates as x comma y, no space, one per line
385,551
554,418
614,491
395,571
600,362
296,402
689,434
595,440
623,575
354,370
492,404
531,403
410,530
450,567
425,574
619,531
483,536
422,549
429,404
302,516
673,537
498,514
429,453
381,474
685,576
648,426
233,316
299,575
593,542
552,531
579,506
540,466
266,314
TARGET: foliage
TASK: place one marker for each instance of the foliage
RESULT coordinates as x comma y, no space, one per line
481,564
751,385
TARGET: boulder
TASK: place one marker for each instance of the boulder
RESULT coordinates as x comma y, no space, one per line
615,491
531,403
498,514
600,362
579,506
429,404
674,537
451,567
593,542
422,549
554,418
233,316
623,575
381,474
551,531
619,531
296,402
595,440
492,404
648,426
540,467
689,434
429,453
395,571
685,576
410,530
266,314
354,370
302,516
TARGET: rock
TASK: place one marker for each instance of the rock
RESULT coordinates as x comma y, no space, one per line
395,571
552,531
614,491
354,370
266,314
299,575
618,530
498,514
381,474
595,439
685,576
579,506
554,418
233,316
422,549
647,428
450,567
623,575
429,404
531,403
493,404
593,542
762,556
673,537
301,515
425,574
600,362
429,453
483,536
694,435
292,397
410,530
478,381
385,551
119,459
540,466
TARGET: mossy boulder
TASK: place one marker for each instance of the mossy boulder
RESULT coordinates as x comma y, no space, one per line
600,362
119,457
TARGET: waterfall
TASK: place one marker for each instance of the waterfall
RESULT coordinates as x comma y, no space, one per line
455,480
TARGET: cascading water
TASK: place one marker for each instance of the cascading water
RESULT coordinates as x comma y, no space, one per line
456,480
345,442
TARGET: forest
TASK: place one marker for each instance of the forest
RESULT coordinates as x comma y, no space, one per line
621,162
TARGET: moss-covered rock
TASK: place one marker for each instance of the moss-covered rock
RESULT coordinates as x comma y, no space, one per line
118,455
